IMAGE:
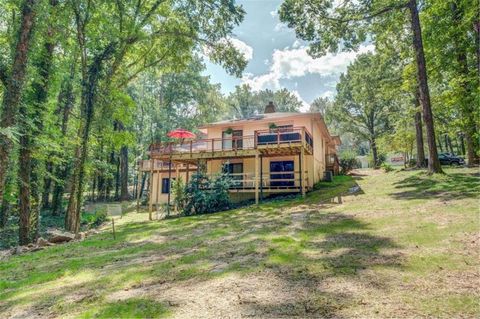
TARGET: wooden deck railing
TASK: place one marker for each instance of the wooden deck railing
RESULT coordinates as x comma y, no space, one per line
146,165
273,180
279,137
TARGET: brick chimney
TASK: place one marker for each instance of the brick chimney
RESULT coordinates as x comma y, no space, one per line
270,108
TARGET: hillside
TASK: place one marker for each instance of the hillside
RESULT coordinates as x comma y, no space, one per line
406,244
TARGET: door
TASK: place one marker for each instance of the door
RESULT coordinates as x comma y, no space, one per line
282,170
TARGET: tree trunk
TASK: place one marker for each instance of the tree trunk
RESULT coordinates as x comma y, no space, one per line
117,179
40,90
72,218
373,145
124,173
419,133
144,178
440,144
433,161
4,213
65,102
470,149
6,205
109,181
47,185
449,143
462,144
14,86
24,191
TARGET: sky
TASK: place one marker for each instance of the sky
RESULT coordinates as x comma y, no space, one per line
277,59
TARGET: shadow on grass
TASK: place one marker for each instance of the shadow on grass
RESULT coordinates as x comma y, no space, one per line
445,187
300,246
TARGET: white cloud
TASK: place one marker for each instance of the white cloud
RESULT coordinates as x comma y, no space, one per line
279,27
244,48
296,44
305,106
290,63
264,81
328,94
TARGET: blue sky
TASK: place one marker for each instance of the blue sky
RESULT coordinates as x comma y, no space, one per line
277,59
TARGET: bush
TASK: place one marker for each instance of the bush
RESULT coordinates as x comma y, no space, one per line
94,219
380,160
387,167
204,195
348,161
178,192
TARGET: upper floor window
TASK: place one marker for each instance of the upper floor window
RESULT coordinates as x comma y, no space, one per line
232,139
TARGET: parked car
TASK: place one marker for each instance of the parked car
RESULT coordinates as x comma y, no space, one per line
450,159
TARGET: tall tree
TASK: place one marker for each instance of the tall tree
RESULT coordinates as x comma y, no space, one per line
13,79
107,38
359,108
333,26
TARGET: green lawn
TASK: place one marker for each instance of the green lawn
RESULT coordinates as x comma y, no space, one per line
405,245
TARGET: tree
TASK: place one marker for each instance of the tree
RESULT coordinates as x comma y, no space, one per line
359,108
331,27
13,79
321,105
451,45
244,102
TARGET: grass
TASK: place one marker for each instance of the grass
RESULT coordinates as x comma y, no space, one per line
405,245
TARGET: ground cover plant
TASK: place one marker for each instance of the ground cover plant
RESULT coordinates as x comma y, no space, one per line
362,246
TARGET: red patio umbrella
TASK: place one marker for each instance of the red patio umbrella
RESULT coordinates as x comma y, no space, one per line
181,133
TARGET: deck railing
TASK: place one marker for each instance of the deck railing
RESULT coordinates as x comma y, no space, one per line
273,180
279,137
146,165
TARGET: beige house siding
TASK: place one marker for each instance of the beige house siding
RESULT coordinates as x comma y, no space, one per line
314,165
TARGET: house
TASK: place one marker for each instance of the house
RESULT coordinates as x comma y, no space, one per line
265,154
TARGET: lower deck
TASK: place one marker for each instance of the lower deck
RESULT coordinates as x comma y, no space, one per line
255,177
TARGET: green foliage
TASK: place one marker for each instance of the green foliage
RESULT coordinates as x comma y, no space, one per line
348,161
387,167
244,102
381,158
207,195
94,219
178,193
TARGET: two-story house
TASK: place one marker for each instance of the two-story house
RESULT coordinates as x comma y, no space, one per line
265,154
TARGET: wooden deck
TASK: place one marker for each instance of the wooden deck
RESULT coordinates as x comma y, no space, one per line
263,142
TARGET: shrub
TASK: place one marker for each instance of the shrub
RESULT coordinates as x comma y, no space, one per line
204,195
348,161
178,192
94,219
381,158
387,167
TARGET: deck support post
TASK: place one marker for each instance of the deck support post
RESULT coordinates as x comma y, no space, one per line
150,192
187,173
261,177
256,177
169,185
302,175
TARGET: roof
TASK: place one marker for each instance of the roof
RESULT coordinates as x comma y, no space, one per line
261,118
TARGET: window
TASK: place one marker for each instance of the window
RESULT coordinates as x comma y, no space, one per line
283,171
166,185
232,140
234,168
